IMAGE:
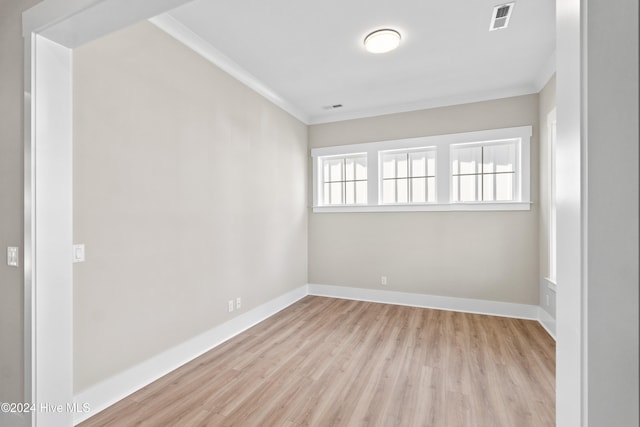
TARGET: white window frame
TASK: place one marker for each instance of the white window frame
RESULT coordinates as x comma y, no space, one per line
409,176
517,189
321,178
442,144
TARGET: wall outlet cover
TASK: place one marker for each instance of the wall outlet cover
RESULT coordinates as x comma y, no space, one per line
13,256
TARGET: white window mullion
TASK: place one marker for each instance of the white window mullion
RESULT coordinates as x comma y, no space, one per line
373,165
443,174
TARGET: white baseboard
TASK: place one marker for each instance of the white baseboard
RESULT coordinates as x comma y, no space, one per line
110,391
547,321
465,305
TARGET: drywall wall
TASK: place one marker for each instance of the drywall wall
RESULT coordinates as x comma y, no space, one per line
11,198
546,105
483,255
189,191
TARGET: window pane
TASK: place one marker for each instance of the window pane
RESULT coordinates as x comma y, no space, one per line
499,158
389,191
339,176
431,190
402,165
350,169
403,190
361,192
488,187
504,186
418,190
388,166
361,167
335,192
418,164
335,170
468,188
431,163
350,192
466,160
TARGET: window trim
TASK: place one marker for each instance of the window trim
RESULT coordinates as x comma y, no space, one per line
442,145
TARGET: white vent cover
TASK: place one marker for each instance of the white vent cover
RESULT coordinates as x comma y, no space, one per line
501,16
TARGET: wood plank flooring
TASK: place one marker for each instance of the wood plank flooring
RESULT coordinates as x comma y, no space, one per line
332,362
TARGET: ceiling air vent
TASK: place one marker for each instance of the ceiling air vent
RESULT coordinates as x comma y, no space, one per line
501,16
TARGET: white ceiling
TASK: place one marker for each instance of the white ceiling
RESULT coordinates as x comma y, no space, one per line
307,55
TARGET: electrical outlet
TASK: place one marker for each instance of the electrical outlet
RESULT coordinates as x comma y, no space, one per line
238,303
383,280
230,306
12,256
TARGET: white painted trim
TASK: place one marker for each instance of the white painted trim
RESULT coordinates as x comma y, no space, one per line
572,381
186,36
551,285
73,23
108,392
464,305
547,321
431,207
51,268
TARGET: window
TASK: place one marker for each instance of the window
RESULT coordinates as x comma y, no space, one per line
408,176
344,180
484,170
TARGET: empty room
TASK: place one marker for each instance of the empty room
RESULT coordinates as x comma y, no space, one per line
245,213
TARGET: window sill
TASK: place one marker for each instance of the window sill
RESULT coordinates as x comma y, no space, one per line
431,207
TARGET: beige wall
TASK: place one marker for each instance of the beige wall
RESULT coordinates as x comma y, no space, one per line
484,255
11,197
189,191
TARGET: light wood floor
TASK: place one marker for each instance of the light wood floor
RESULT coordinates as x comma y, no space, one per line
331,362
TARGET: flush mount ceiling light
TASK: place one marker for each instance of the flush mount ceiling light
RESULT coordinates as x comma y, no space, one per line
382,41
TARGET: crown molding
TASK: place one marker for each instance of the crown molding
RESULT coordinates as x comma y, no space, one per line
183,34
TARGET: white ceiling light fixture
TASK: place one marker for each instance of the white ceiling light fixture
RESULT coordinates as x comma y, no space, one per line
382,41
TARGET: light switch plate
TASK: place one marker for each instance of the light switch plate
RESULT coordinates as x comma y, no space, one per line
78,253
13,256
